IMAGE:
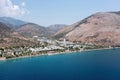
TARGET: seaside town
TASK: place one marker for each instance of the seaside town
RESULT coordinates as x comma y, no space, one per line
45,46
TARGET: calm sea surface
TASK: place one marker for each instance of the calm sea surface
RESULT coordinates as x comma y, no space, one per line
92,65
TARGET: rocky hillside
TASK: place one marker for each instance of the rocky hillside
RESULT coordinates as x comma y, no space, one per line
31,29
102,28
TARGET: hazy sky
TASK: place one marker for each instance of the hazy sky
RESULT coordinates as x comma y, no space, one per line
48,12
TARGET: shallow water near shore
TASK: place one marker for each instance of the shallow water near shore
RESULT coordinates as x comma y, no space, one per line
89,65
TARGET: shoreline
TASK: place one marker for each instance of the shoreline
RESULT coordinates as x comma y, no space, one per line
50,54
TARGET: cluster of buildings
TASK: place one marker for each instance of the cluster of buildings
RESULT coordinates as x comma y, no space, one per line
47,48
52,45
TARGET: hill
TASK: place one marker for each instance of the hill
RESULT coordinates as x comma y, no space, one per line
102,28
31,29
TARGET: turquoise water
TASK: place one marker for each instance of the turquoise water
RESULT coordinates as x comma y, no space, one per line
92,65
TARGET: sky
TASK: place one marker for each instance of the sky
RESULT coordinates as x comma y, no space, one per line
49,12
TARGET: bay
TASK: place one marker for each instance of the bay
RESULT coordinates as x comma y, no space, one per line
89,65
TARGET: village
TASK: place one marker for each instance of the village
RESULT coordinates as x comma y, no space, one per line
45,46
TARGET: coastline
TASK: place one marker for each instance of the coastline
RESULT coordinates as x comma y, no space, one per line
50,54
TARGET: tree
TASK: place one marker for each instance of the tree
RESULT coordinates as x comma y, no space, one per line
76,48
71,48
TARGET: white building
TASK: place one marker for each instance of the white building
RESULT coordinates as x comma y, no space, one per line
64,42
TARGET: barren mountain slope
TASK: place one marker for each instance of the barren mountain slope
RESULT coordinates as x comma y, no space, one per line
100,28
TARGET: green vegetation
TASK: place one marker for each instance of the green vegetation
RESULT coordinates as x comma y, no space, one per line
94,47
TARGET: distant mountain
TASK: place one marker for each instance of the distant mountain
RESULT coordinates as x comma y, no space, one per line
102,28
5,31
55,28
11,22
31,29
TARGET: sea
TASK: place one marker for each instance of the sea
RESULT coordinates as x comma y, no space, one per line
88,65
